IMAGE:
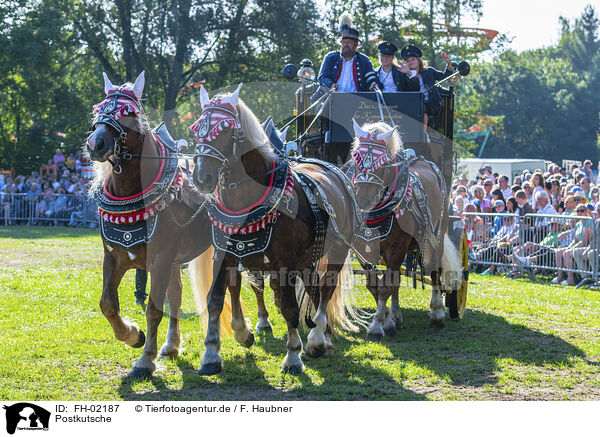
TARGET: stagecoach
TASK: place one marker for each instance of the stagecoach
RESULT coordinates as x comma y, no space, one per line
323,125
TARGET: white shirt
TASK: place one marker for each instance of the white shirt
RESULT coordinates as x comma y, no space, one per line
346,82
543,221
387,80
507,193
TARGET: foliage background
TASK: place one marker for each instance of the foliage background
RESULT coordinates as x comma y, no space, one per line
541,103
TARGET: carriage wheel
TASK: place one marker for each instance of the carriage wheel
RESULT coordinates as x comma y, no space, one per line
456,301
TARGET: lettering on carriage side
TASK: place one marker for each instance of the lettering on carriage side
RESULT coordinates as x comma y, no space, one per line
24,416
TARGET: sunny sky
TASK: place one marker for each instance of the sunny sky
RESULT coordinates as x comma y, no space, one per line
532,23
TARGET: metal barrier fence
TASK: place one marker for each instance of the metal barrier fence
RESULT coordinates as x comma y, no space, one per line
565,245
77,210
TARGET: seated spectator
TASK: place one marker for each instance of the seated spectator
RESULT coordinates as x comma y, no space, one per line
537,186
524,205
544,253
497,194
511,205
585,185
459,203
59,158
504,187
501,245
587,170
488,185
555,195
499,208
583,232
473,226
479,194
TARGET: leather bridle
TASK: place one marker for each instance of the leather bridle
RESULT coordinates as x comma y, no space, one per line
107,116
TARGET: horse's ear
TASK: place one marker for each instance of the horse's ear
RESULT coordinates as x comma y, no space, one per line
204,99
387,134
358,131
234,99
108,86
283,134
138,86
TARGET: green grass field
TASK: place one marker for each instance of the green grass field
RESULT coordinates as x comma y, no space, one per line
518,340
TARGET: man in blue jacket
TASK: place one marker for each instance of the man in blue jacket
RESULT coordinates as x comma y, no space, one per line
347,70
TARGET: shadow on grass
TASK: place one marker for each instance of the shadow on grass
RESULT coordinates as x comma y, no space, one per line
40,232
464,352
243,379
467,351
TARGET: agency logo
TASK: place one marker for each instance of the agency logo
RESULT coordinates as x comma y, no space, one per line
26,417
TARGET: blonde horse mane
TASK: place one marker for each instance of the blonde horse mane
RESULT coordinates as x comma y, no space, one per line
393,142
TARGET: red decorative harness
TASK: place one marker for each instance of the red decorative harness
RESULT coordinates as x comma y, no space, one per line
140,214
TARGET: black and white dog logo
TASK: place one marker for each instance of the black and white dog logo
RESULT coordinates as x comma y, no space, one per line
26,416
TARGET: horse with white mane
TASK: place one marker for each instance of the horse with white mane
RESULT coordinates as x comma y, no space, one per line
151,218
405,209
270,216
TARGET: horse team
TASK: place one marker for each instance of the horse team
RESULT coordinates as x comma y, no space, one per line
246,207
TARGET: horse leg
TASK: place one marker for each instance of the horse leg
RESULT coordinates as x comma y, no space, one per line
292,363
113,272
258,286
211,362
316,342
375,331
239,324
395,308
144,367
170,349
436,313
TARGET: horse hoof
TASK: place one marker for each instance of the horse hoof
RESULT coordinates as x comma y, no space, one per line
141,340
315,351
264,329
168,354
390,332
375,338
439,324
210,369
249,341
140,373
141,301
329,352
292,370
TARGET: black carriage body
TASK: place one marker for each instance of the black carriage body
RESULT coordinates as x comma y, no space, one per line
330,137
406,109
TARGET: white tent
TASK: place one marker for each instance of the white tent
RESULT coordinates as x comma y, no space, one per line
509,167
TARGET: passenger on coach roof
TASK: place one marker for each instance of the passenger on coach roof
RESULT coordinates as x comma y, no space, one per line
426,77
347,70
392,76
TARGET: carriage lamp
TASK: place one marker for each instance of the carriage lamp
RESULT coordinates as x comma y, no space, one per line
306,72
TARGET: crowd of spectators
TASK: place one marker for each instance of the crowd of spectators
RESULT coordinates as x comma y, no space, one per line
564,244
58,197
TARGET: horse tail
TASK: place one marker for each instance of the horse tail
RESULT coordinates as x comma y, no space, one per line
451,265
342,310
201,269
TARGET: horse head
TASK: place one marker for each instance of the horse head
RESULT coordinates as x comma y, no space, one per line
374,148
218,131
118,121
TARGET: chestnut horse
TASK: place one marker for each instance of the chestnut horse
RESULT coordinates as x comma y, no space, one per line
404,203
237,163
137,180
